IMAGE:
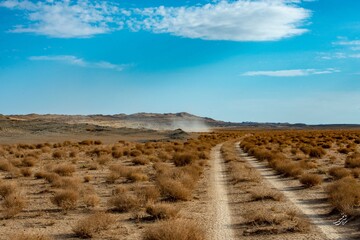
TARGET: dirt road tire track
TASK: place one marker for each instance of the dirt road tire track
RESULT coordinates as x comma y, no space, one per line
221,224
326,227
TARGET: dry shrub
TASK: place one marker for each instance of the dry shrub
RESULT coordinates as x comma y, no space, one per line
29,161
30,236
112,177
7,188
344,150
262,193
87,178
26,172
5,165
183,159
58,154
93,224
117,153
91,200
178,229
339,172
240,173
265,222
66,199
67,183
173,189
50,177
121,170
137,177
310,180
286,167
353,161
124,202
103,160
344,195
356,172
317,152
164,156
142,160
13,204
64,169
135,153
148,193
162,211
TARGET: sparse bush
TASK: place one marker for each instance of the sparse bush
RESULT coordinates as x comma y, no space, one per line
183,159
7,188
317,152
26,172
148,194
142,160
262,193
310,180
13,204
64,169
66,199
29,161
91,200
339,172
162,211
173,189
58,154
177,229
353,161
344,195
137,177
123,202
93,224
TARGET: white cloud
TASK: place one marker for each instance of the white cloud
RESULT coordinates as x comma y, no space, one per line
233,20
291,73
348,43
73,60
65,18
241,20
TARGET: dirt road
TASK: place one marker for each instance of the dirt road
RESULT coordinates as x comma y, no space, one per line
221,224
326,227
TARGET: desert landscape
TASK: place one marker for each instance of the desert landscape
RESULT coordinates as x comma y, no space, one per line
230,182
179,120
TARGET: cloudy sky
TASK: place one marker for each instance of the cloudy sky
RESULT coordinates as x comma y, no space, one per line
234,60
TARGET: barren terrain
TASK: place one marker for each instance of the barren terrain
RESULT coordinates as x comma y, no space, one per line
62,180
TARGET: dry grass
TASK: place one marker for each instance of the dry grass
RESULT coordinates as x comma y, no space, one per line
268,221
310,180
339,172
91,200
93,224
173,189
124,202
7,188
13,204
178,229
353,161
66,199
183,159
64,169
262,193
344,195
162,211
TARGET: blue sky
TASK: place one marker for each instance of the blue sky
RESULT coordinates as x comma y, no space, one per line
233,60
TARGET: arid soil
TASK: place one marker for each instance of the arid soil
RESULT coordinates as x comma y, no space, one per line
192,186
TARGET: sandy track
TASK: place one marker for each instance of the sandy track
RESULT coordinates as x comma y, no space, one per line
221,222
326,227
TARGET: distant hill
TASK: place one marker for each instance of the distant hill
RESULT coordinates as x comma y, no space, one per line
166,121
